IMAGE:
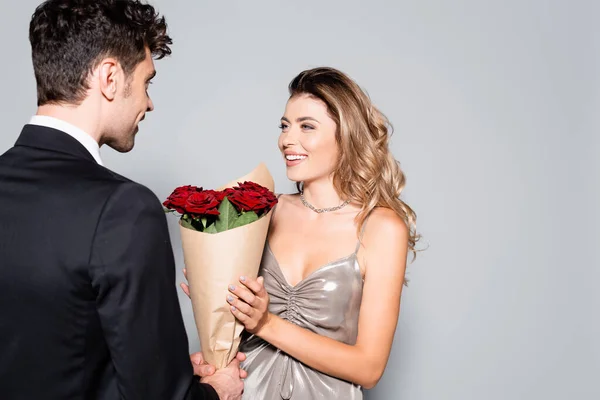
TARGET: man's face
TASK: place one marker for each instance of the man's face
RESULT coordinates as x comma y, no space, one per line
130,106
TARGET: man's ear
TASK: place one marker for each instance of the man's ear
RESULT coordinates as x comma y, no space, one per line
110,75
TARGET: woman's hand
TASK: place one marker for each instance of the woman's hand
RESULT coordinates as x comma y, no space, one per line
249,303
184,286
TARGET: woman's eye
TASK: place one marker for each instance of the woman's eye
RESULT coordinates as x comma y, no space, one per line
283,126
307,127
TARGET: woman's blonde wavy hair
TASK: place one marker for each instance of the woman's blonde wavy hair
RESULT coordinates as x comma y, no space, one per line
367,173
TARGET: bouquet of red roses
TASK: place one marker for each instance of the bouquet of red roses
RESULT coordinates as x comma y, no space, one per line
223,233
213,211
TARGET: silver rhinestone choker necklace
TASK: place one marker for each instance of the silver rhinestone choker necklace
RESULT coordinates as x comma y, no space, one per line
322,210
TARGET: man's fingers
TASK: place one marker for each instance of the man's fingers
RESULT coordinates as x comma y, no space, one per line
243,374
234,363
241,357
201,368
204,370
197,358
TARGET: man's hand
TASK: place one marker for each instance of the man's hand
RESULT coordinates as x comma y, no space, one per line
201,367
204,369
227,382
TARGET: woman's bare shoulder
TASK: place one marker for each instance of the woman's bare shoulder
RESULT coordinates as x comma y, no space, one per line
384,221
285,199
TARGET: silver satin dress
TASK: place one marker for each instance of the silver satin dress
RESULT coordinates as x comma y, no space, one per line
326,302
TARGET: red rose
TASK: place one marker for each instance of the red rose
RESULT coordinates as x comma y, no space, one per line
205,202
176,201
249,196
253,186
219,194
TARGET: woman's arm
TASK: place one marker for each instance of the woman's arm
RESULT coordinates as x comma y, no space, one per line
384,255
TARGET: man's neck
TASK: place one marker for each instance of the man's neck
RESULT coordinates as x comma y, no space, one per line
74,115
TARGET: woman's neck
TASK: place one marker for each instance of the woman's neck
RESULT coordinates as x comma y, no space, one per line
321,194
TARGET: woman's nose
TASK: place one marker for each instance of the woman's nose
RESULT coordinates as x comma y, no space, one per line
290,137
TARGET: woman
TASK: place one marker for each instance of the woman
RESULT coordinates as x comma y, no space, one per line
322,315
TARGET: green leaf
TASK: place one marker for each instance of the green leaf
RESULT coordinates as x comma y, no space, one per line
228,215
203,220
245,219
186,224
211,229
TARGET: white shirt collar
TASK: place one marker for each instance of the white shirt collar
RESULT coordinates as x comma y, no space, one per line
86,140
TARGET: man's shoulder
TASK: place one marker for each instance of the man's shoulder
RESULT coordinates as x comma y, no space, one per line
70,176
59,164
106,185
103,173
130,194
97,174
135,191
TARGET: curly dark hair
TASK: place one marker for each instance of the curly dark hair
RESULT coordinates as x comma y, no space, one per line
70,37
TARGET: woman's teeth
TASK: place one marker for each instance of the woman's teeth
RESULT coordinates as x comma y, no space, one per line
292,157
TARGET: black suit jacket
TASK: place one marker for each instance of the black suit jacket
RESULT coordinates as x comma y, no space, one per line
88,299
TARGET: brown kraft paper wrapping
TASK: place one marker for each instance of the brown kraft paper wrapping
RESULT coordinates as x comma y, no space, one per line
213,262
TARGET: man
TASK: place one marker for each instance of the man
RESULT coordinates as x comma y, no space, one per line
88,302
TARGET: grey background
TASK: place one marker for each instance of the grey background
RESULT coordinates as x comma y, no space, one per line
495,107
